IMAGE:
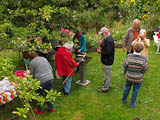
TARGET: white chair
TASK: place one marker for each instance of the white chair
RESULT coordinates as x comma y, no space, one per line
157,43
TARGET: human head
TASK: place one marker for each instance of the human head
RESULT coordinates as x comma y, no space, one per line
33,55
136,23
79,33
104,32
142,33
68,45
138,47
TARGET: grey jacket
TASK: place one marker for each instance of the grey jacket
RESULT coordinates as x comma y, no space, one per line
41,69
129,38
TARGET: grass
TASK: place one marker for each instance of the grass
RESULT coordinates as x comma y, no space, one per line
86,104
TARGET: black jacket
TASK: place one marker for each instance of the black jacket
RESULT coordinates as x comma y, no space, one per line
108,50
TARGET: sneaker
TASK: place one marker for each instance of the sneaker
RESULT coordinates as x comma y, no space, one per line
36,111
102,91
51,110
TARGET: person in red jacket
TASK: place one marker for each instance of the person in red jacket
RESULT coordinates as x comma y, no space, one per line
65,64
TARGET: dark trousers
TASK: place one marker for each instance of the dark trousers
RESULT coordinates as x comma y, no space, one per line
46,85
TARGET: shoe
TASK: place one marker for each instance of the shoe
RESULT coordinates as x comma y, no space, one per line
123,102
36,111
51,110
102,91
65,93
132,106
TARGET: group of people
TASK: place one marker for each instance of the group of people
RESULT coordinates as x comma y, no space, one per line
42,71
135,65
136,62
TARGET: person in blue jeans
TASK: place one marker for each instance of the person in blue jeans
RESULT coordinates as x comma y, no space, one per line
135,66
67,84
41,70
65,65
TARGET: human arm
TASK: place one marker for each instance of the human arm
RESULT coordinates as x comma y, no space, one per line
125,41
31,67
145,67
125,65
146,42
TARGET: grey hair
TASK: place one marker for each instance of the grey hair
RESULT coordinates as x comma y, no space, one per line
142,31
136,20
68,45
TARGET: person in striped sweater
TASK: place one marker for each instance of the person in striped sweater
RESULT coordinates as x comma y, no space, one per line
135,66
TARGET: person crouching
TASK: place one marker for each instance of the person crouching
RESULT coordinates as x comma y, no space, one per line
65,64
41,70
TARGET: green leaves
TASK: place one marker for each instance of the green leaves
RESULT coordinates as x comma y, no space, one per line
45,12
6,67
26,90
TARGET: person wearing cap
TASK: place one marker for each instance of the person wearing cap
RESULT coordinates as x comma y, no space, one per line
107,58
131,35
146,43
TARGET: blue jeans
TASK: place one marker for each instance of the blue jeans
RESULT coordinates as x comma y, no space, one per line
46,85
136,87
67,85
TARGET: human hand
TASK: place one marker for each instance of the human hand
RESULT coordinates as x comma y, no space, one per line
99,50
44,52
100,42
123,49
79,50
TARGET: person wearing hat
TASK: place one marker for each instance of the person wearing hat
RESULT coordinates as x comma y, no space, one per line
107,58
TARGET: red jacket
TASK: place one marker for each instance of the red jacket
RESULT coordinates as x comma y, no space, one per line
64,62
159,34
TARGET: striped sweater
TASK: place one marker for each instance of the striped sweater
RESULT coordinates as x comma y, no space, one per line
135,66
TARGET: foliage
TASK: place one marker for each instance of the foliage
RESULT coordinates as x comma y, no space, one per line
6,67
146,10
26,90
119,31
42,18
92,39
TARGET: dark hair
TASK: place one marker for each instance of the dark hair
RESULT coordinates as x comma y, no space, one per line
33,55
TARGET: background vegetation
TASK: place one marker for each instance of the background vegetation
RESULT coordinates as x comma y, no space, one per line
86,104
20,19
43,18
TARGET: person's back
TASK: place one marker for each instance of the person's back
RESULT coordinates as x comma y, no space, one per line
136,66
41,69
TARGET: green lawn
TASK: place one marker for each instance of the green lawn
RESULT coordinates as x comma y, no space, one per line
86,104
